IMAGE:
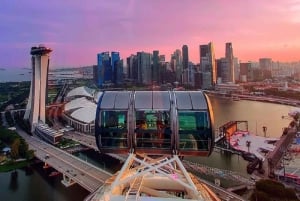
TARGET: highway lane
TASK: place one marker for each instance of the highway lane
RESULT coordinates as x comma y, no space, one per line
84,139
90,141
87,175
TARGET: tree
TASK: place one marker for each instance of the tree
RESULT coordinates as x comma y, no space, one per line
23,148
29,154
15,148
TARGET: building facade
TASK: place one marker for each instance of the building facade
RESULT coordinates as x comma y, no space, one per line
144,68
36,106
265,65
208,66
230,62
106,70
155,67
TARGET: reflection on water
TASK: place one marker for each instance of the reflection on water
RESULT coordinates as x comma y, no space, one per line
257,114
37,186
13,185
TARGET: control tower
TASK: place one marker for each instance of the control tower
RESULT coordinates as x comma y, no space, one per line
36,106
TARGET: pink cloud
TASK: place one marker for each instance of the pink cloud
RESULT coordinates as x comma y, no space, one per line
77,32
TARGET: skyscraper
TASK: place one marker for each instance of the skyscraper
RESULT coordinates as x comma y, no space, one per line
185,65
265,65
223,75
208,65
155,66
36,106
144,68
176,64
229,58
245,72
107,67
103,68
115,58
132,68
185,57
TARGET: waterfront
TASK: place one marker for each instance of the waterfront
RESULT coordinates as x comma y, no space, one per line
258,114
15,74
37,186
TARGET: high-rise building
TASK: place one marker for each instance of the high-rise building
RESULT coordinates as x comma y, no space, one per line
230,62
106,68
223,75
236,66
132,68
103,68
119,74
95,73
176,64
115,58
155,66
208,65
185,57
245,72
186,72
36,106
144,68
265,65
162,58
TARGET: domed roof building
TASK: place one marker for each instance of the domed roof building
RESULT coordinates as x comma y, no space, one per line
80,110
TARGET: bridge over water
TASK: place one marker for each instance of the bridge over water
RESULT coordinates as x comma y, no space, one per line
74,170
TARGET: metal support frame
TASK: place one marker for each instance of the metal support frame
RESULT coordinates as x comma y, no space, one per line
133,181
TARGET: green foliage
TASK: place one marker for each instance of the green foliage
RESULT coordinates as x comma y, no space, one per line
15,148
23,148
272,190
1,122
19,147
286,94
29,154
259,195
290,194
7,136
24,124
9,118
14,93
49,122
12,166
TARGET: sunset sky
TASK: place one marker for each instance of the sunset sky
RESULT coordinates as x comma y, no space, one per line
78,30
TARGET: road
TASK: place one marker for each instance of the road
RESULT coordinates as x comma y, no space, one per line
87,175
90,141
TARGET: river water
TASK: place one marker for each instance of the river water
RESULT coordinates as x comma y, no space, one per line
38,186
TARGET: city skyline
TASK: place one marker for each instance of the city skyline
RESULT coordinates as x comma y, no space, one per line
77,32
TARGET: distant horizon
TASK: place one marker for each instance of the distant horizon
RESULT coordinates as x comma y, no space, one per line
124,59
77,32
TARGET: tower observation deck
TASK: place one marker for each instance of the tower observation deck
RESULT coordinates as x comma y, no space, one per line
155,128
36,106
